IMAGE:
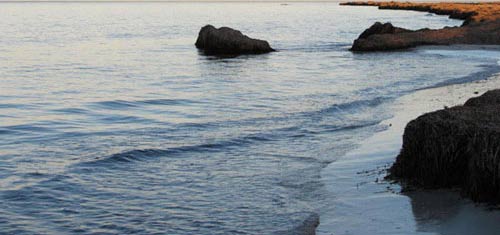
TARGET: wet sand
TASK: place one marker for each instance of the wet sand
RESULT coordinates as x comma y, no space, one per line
365,203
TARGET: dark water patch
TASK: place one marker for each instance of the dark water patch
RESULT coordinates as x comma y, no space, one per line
71,110
29,194
56,136
352,105
6,132
297,183
327,129
28,128
320,47
144,154
487,71
306,226
36,175
120,119
125,104
309,160
10,106
169,102
17,106
95,69
115,104
26,69
197,126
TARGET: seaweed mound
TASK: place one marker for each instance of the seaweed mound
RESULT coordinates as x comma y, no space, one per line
457,147
226,40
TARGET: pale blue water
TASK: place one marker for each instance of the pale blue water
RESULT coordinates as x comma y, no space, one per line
111,122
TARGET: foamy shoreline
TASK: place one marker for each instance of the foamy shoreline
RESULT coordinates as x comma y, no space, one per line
366,204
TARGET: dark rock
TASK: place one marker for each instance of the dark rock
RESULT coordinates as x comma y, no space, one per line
458,147
229,41
487,33
379,28
489,98
481,26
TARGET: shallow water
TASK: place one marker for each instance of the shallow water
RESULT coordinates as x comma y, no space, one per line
111,122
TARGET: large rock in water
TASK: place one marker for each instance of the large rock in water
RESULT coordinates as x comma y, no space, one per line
455,147
229,41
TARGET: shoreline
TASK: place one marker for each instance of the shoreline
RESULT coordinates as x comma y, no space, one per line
470,12
363,197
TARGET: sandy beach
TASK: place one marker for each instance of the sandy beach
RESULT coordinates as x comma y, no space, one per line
369,204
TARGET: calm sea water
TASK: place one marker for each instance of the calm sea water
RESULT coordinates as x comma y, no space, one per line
111,122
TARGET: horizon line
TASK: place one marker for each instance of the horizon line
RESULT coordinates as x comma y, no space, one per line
215,1
171,1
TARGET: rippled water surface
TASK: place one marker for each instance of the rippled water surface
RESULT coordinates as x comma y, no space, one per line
111,122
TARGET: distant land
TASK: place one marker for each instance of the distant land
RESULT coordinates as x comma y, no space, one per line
249,1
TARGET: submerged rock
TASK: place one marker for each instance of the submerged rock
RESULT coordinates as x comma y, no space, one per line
455,147
226,40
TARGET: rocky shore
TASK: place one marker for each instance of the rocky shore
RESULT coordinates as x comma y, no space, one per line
456,147
481,26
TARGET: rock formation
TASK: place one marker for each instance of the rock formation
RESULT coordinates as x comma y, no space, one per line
470,12
481,27
229,41
457,147
379,28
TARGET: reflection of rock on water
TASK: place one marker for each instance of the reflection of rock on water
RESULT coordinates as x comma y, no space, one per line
446,213
307,227
429,207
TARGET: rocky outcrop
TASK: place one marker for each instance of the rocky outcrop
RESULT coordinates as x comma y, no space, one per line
470,12
457,147
481,27
229,41
379,28
487,33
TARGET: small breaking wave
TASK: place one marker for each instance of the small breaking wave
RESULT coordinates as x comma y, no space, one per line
143,154
126,104
217,146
